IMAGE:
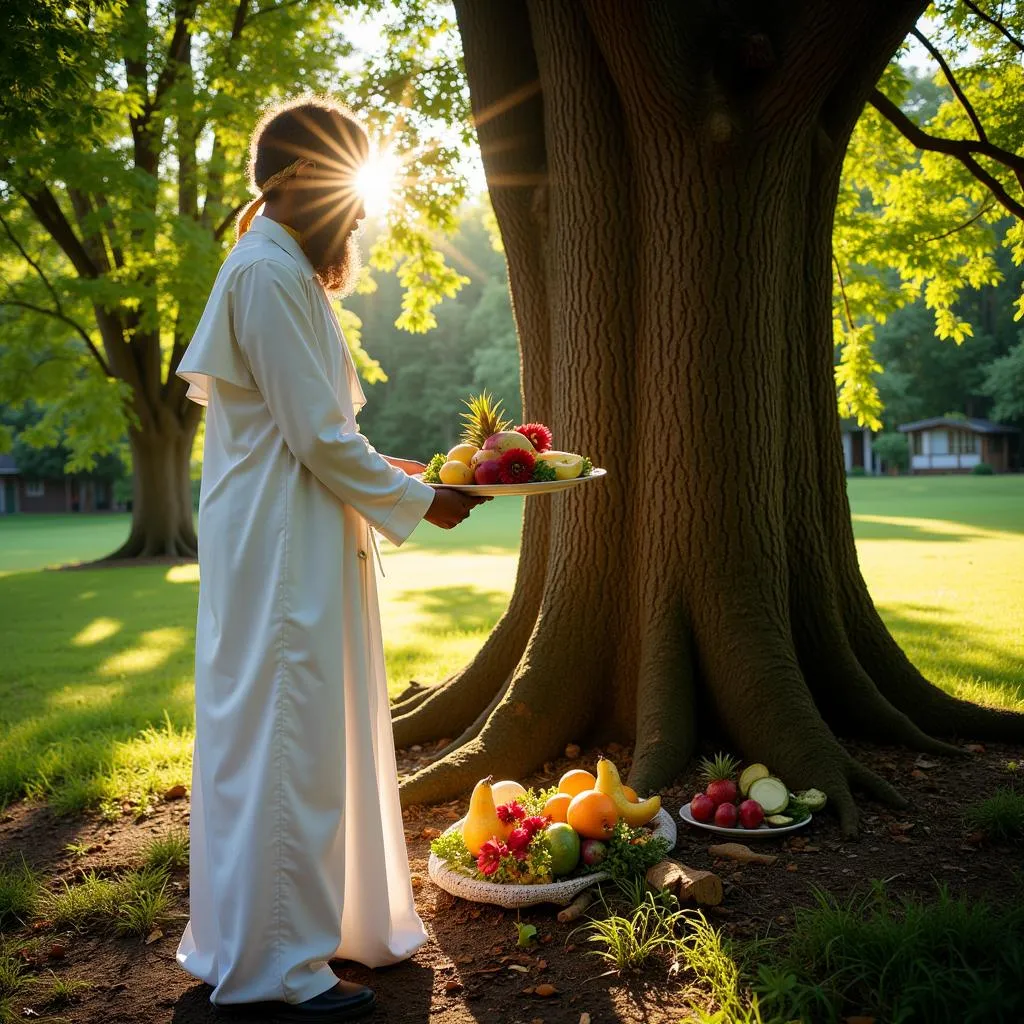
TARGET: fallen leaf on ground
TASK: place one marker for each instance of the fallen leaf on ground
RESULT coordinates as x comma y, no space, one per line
546,990
917,774
452,985
58,950
519,967
430,833
584,1018
178,792
464,959
155,934
923,762
791,867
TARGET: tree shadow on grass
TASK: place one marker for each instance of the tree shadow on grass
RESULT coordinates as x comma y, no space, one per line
942,648
459,609
895,528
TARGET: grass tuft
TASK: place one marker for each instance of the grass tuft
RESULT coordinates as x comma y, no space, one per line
898,961
20,889
65,991
131,904
168,852
628,942
1001,816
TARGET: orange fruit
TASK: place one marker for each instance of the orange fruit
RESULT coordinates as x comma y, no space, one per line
592,814
576,781
557,806
631,795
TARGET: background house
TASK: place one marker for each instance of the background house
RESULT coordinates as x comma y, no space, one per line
857,453
19,493
947,444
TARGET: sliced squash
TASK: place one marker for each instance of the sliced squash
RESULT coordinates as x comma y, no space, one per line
771,794
778,820
750,775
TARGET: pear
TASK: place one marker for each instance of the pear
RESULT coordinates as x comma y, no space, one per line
567,465
482,821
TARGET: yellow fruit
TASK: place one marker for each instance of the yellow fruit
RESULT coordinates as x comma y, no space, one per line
482,821
593,814
462,453
609,783
456,473
567,465
631,794
576,781
507,791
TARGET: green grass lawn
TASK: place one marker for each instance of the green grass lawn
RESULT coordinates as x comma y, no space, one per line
96,665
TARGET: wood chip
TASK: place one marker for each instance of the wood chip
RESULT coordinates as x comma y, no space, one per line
741,853
153,936
178,792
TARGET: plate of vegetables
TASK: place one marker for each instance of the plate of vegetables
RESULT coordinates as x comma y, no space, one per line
754,805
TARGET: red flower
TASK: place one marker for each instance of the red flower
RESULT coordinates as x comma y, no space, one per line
538,434
510,813
516,466
519,838
489,858
535,823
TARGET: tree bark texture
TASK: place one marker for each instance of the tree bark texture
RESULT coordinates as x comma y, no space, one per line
665,178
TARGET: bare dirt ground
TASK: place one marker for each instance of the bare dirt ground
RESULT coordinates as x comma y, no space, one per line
472,969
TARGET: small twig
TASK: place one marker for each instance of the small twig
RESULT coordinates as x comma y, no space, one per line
995,23
842,291
960,227
953,83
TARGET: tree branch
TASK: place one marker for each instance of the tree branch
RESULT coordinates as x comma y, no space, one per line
57,315
32,263
953,83
271,8
177,50
995,23
49,214
960,227
963,150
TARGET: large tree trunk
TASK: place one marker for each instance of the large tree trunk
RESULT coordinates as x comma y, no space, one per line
665,177
162,517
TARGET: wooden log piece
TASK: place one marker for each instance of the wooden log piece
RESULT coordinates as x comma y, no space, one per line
688,885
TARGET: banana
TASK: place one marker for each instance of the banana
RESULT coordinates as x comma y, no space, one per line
609,783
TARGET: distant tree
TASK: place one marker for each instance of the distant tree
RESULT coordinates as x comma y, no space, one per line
893,450
1004,382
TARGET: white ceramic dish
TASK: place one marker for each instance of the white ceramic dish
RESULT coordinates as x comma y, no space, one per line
764,832
517,490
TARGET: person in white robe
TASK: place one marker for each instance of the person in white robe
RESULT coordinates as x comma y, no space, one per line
297,848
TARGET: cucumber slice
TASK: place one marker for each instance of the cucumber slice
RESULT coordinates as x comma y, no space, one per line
813,798
750,775
771,794
778,820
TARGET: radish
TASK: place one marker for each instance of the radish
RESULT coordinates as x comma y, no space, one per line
751,814
771,793
726,815
702,808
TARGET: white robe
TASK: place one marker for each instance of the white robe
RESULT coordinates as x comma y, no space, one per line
297,848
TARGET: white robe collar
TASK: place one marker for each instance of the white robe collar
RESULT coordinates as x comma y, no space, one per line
263,225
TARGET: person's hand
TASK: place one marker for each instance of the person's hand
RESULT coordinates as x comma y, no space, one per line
450,507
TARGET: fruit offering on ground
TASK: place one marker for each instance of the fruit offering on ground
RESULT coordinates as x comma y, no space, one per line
726,815
557,806
455,472
592,814
564,844
593,852
702,807
751,814
609,783
718,774
750,775
771,793
506,791
482,822
576,781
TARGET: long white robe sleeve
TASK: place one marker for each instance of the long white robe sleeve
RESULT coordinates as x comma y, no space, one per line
297,847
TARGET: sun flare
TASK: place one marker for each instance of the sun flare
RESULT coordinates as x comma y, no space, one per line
377,182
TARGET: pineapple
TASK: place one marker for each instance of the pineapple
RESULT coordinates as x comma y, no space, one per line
719,776
485,417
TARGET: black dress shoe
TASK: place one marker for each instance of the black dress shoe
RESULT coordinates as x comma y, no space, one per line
344,1002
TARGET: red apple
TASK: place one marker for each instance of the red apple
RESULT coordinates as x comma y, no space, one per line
702,807
726,815
722,791
751,814
592,851
487,472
